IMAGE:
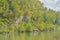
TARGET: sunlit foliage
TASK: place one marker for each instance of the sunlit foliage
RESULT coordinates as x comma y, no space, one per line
24,15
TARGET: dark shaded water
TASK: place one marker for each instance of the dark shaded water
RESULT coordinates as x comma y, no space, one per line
31,36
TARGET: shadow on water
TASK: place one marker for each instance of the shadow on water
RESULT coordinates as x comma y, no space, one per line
30,36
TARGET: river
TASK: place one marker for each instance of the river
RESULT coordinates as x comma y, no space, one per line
31,36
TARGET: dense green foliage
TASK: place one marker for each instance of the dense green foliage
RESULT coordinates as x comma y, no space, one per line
24,15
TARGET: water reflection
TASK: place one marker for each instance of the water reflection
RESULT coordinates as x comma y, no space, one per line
31,36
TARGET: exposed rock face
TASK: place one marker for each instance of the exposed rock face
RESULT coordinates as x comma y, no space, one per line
36,29
19,20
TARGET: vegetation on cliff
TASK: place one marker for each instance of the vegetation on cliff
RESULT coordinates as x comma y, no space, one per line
23,15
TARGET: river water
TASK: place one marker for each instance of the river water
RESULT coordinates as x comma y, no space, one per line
31,36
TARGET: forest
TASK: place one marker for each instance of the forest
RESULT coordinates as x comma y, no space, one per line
27,15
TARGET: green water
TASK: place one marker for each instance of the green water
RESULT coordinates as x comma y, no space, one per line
31,36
